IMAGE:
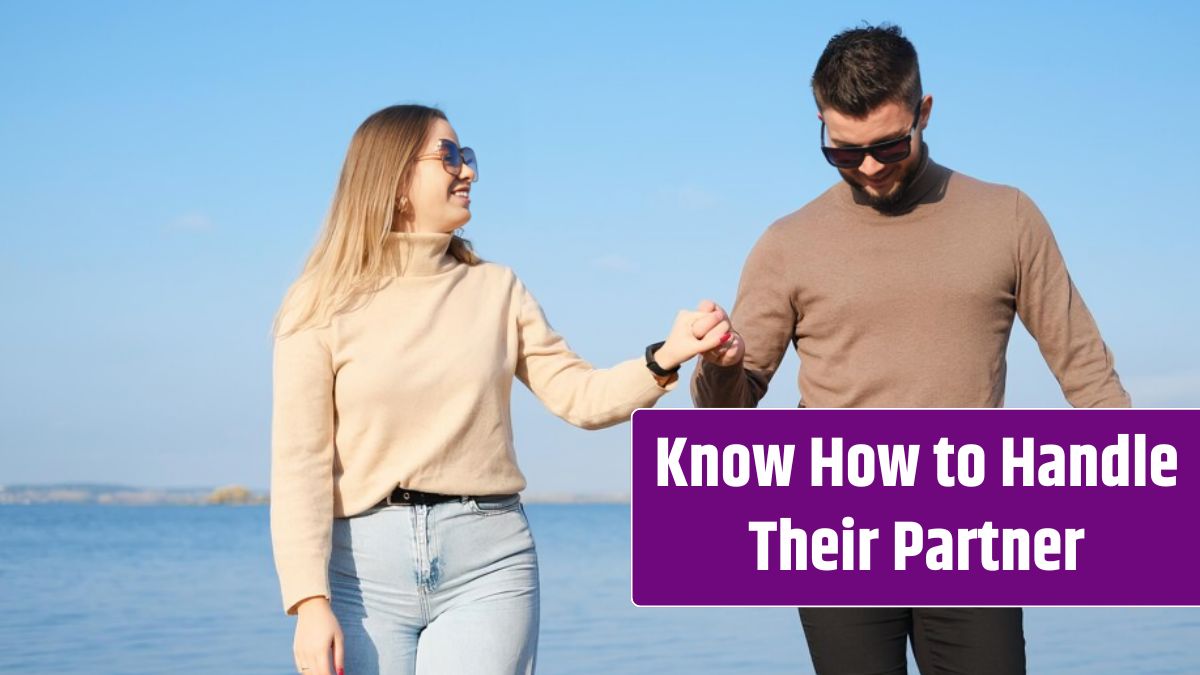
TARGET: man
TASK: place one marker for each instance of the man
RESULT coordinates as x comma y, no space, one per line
898,288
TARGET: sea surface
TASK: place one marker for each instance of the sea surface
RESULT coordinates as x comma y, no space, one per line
140,590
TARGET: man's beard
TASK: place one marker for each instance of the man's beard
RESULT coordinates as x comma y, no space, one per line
890,203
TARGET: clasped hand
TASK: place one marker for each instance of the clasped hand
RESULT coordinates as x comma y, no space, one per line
706,331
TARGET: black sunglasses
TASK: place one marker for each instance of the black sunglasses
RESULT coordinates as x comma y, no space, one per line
453,158
885,152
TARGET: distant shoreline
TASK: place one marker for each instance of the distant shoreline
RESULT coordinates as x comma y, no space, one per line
233,495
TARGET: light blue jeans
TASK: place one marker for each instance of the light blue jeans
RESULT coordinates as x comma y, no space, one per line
445,589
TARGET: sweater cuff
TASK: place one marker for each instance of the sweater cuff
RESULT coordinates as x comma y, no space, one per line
297,591
721,374
653,389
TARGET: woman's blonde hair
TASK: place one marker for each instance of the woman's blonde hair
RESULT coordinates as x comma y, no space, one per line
348,261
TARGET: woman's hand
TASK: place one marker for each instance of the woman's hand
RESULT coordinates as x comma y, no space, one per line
694,332
729,352
317,631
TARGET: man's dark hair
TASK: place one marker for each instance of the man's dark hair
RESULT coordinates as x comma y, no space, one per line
863,68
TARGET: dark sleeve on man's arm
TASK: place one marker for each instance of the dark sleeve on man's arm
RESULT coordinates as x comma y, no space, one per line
765,316
1053,310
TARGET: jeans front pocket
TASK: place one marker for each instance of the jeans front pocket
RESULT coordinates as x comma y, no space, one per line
494,504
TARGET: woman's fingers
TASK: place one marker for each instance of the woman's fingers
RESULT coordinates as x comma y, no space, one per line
313,663
695,332
704,324
317,636
687,323
714,337
708,318
320,664
339,657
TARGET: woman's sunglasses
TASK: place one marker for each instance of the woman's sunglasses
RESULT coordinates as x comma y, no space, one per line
453,158
886,152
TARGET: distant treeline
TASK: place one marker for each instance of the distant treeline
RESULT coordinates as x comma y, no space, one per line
88,493
94,493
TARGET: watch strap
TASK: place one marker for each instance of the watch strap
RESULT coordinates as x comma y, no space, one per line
653,365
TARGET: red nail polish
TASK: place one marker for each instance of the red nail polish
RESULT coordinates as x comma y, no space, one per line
725,337
340,672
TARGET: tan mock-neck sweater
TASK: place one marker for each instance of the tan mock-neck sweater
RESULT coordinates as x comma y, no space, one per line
412,388
910,310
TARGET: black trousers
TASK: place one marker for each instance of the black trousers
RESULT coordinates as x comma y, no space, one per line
950,640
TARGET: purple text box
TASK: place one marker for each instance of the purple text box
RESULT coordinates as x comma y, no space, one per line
692,545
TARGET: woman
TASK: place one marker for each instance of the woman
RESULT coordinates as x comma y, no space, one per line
398,534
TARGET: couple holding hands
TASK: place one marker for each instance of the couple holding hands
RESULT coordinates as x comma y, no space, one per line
398,532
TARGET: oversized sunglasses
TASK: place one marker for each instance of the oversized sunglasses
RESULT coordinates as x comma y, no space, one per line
453,158
885,152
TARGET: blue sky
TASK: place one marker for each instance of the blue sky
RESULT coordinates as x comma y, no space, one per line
166,167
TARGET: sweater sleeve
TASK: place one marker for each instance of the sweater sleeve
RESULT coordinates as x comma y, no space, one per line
569,386
765,316
1054,313
302,449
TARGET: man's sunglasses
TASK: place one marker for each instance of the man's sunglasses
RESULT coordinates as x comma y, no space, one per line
453,158
885,152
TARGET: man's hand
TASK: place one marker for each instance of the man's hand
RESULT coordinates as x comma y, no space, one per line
728,353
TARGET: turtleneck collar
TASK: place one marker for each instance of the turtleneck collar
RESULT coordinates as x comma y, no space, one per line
928,185
418,254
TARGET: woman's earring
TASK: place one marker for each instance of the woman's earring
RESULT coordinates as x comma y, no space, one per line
404,206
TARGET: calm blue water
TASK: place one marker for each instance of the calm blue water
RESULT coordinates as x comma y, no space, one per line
87,589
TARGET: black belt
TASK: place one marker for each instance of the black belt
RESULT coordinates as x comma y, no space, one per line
405,496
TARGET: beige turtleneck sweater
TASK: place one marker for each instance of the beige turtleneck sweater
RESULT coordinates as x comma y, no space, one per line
412,388
910,310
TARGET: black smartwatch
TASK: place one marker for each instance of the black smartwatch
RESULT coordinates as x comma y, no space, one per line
653,365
